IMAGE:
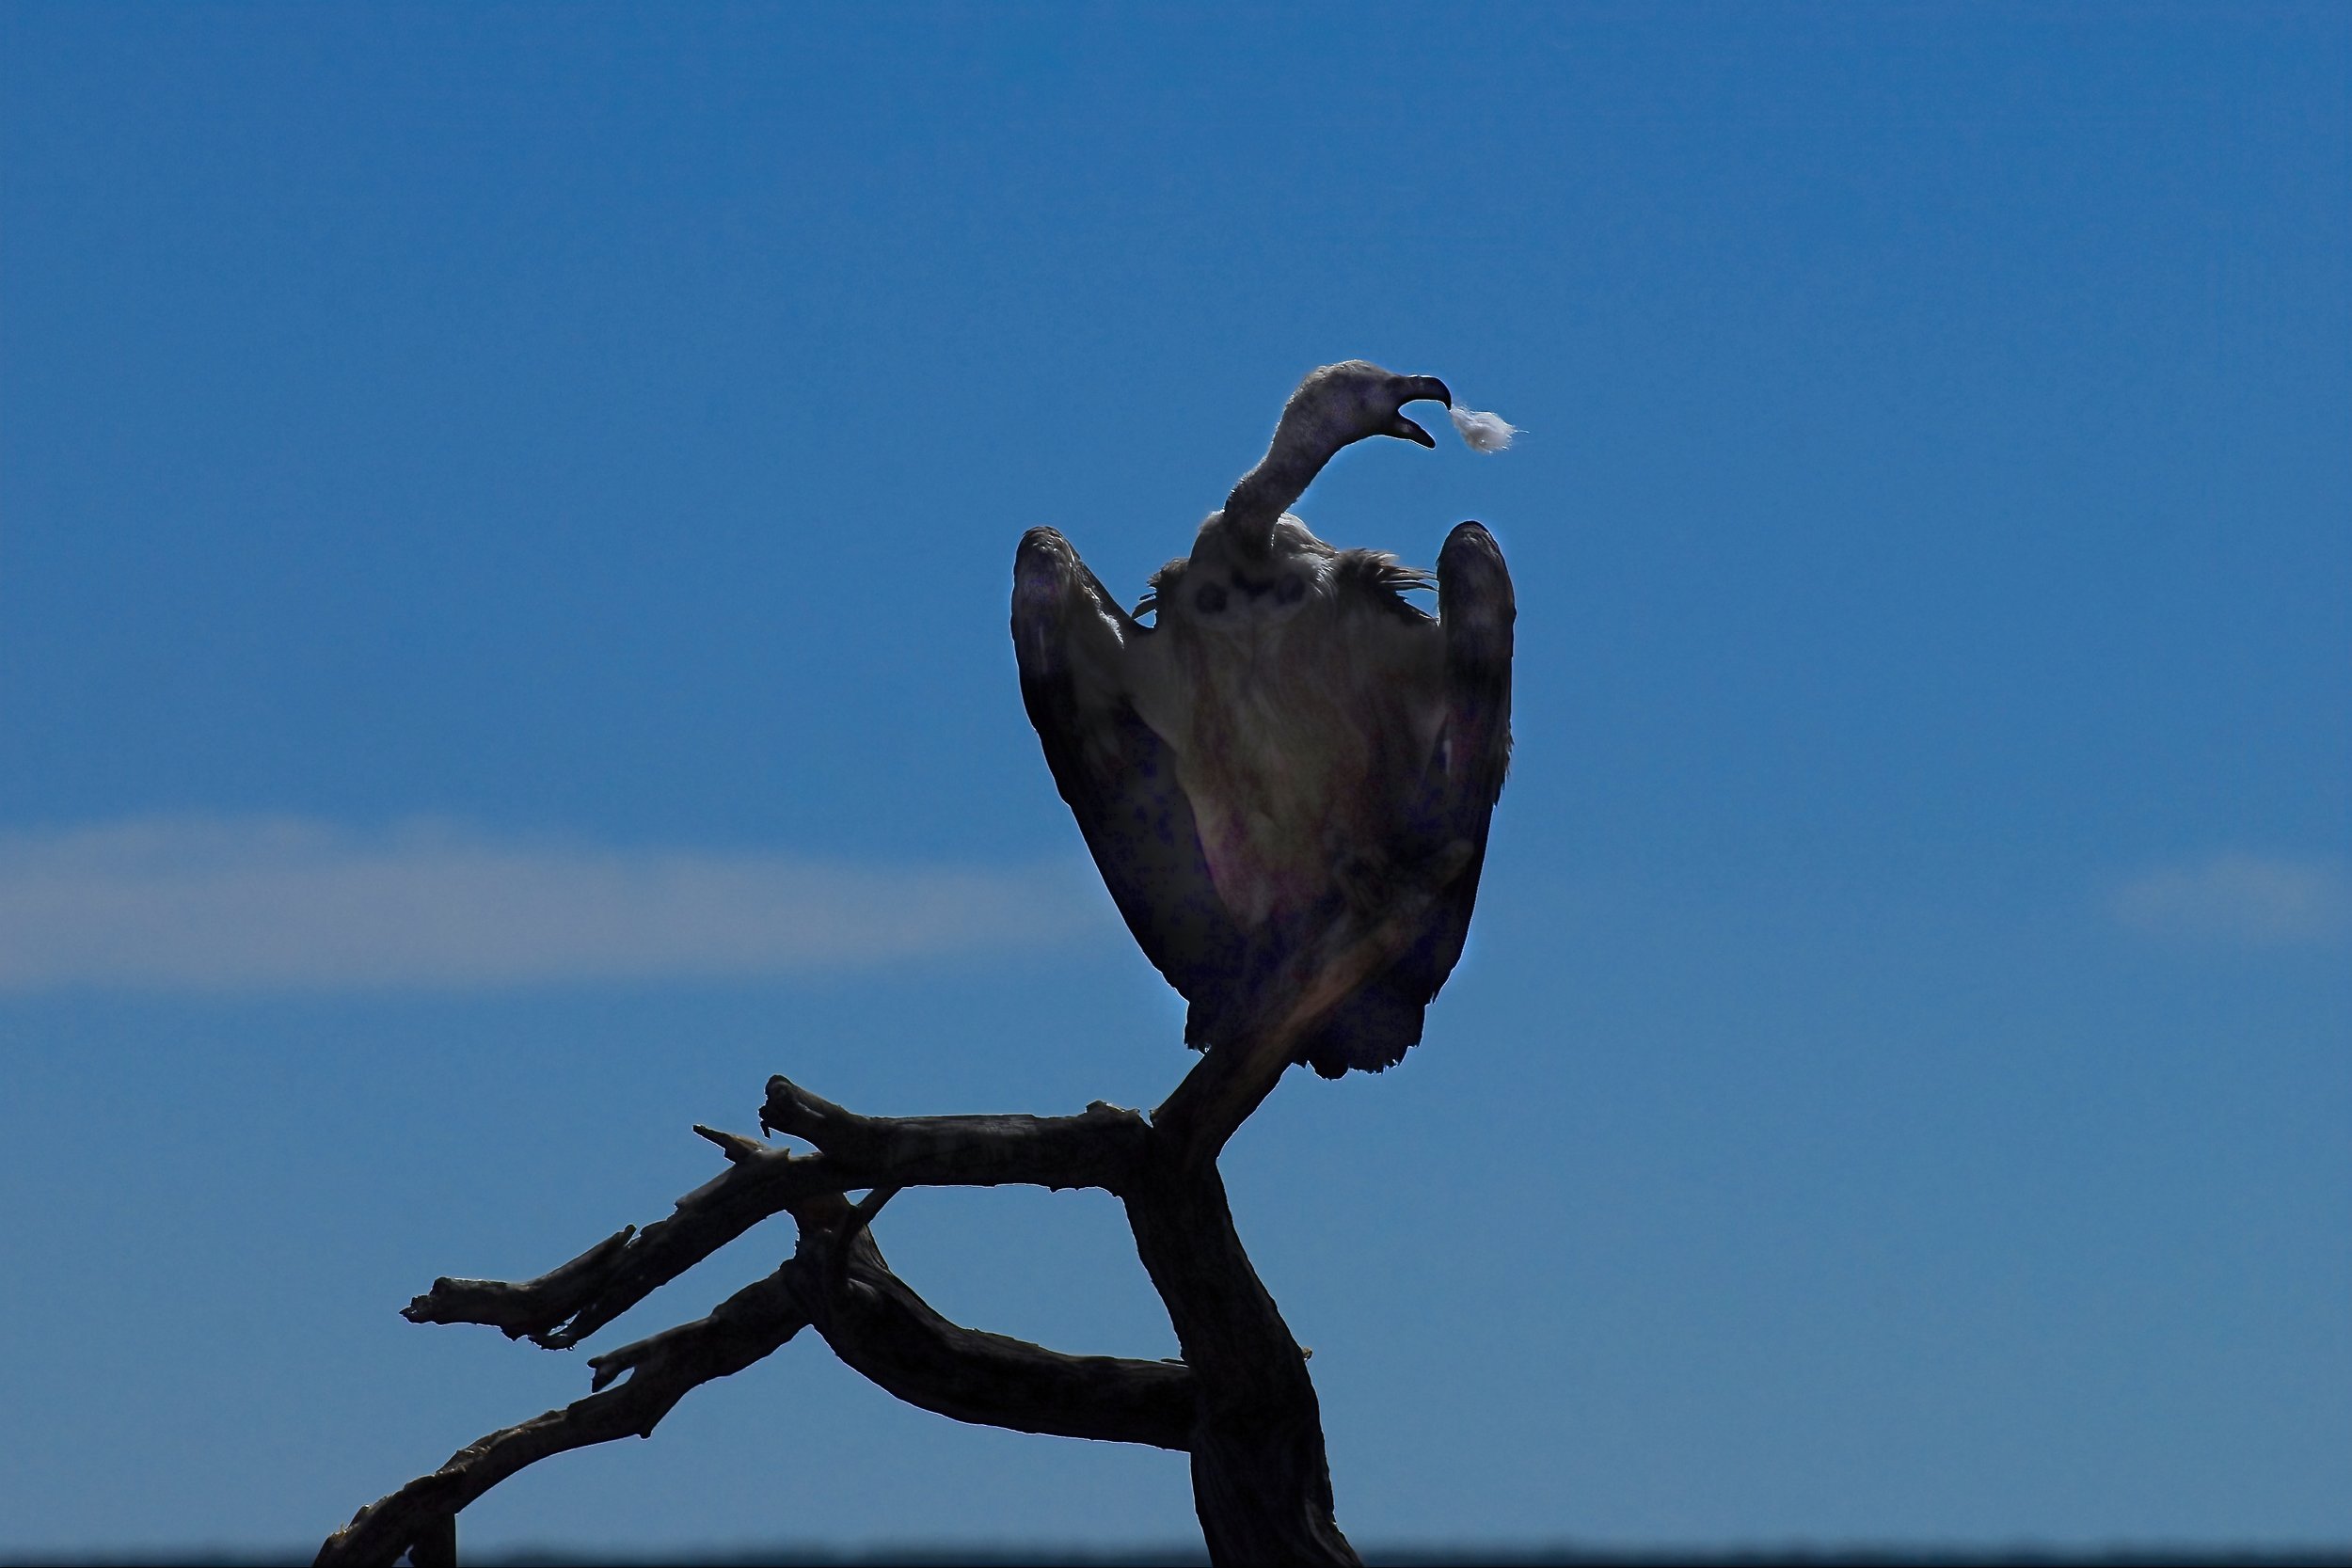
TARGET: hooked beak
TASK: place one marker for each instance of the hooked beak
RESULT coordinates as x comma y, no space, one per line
1417,389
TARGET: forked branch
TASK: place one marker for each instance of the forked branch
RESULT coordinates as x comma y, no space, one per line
835,1279
421,1519
564,1306
1239,1403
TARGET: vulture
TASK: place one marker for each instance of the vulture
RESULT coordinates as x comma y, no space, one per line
1276,745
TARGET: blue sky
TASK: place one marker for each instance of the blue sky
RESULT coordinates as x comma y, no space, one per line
505,524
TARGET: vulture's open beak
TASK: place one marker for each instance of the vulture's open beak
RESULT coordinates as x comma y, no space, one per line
1417,389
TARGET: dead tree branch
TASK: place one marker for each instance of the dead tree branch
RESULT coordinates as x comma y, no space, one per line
564,1306
1239,1403
881,1329
421,1519
1100,1149
837,1280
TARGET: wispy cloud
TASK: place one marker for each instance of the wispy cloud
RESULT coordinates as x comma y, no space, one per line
275,904
2250,900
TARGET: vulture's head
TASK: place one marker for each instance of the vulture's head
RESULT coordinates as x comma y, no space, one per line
1334,407
1347,402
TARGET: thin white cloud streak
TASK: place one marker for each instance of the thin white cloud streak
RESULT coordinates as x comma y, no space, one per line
263,904
2240,900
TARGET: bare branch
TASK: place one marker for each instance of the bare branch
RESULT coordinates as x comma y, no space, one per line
881,1329
564,1306
1098,1149
873,1320
1240,1403
739,1149
533,1307
420,1518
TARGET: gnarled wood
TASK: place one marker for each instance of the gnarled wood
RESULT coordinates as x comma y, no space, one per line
421,1519
1261,1481
1099,1149
1240,1403
881,1329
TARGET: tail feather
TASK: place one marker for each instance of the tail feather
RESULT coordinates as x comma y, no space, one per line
1370,1030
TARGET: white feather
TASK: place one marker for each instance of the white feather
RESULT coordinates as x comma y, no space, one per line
1483,432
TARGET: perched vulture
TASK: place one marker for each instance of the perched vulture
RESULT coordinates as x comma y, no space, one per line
1291,744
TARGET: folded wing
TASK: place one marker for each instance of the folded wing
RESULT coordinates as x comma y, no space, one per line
1077,649
1476,611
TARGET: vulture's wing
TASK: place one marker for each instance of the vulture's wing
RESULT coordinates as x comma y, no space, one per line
1475,612
1373,1028
1080,656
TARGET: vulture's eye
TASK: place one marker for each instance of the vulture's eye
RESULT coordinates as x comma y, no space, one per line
1210,599
1290,591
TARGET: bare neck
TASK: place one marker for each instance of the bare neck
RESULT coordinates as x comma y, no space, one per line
1298,452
